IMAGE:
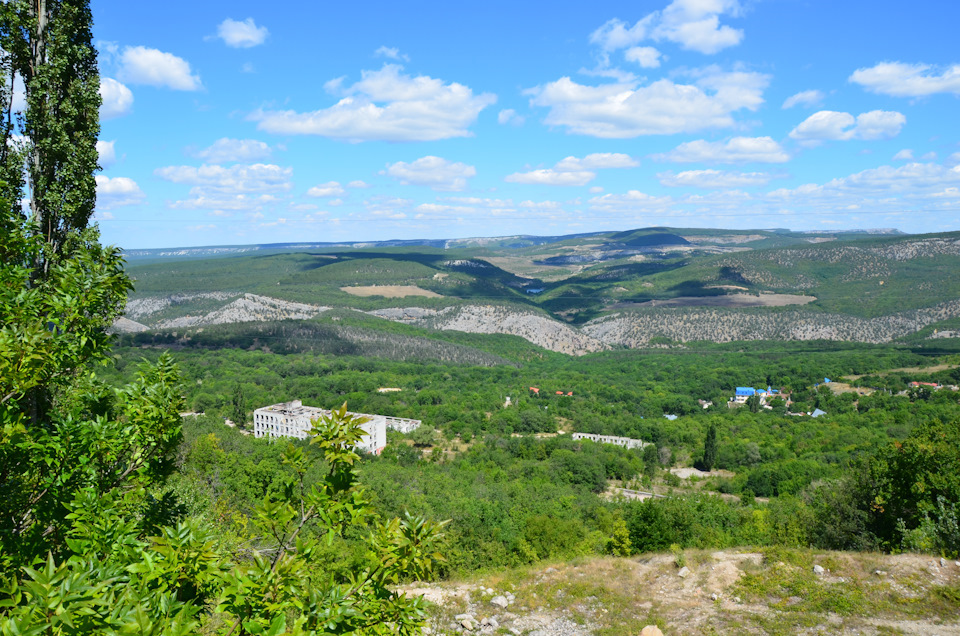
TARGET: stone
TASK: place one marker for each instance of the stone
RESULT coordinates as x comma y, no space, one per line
463,617
500,601
490,622
736,599
515,631
684,571
880,572
427,631
818,569
468,624
714,597
651,630
943,562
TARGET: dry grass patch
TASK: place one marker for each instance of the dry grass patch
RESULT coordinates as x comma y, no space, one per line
390,291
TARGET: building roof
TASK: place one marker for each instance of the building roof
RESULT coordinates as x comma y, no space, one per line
746,390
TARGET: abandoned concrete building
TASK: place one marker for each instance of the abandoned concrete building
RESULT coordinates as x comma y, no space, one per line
626,442
293,419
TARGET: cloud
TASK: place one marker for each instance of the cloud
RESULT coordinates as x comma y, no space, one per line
241,35
894,185
239,178
692,24
808,99
645,56
714,179
695,25
358,184
632,201
392,53
735,150
832,125
434,172
329,189
904,155
573,171
226,150
141,65
386,105
223,204
510,116
619,111
107,154
908,80
117,192
117,100
552,177
598,161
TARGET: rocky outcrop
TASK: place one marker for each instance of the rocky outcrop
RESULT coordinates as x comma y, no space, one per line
536,328
636,328
248,308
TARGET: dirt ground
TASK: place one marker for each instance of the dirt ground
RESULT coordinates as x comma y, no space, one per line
770,591
390,291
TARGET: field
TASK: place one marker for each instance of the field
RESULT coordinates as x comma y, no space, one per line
389,291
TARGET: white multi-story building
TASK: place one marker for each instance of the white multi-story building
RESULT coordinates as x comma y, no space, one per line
293,419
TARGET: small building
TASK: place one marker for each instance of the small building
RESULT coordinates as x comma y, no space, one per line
626,442
742,393
293,419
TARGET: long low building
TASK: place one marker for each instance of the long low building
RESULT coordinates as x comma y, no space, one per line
626,442
293,419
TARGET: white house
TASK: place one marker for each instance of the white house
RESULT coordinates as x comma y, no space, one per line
293,419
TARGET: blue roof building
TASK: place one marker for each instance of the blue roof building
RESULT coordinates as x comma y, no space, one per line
746,391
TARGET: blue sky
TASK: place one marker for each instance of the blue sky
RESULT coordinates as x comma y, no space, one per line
239,122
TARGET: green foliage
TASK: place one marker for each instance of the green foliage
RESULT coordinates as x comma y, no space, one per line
710,448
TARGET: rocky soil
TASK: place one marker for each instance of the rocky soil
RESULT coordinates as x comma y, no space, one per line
776,591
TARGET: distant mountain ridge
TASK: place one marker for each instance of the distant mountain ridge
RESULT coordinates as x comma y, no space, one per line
574,294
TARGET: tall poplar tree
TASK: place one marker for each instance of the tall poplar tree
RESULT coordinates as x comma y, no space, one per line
47,46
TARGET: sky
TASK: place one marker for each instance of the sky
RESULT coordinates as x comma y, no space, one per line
228,123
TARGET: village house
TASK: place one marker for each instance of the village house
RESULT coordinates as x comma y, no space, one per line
293,419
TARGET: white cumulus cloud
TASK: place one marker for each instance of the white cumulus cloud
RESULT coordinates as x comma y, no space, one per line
808,99
106,153
661,108
117,99
510,116
714,179
142,65
692,24
645,56
329,189
434,172
735,150
549,176
386,105
828,125
239,178
392,53
908,80
227,150
241,34
117,191
904,155
573,171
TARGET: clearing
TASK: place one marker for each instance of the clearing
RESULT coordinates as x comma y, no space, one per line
763,591
390,291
